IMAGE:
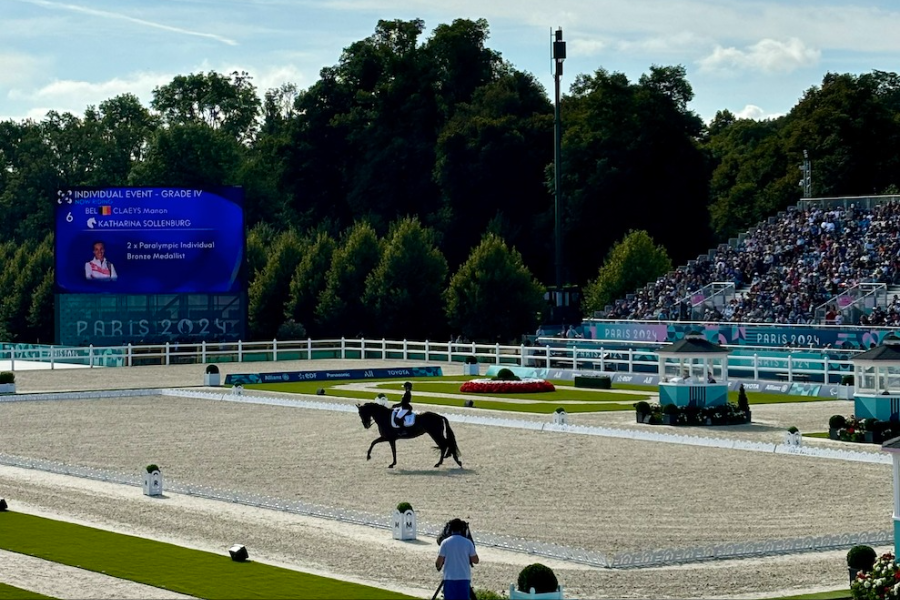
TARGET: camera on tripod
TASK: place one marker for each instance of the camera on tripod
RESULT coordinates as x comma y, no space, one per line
455,526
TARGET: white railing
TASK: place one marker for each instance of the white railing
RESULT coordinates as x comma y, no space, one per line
554,353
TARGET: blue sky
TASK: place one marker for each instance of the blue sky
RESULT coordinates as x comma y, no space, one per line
755,58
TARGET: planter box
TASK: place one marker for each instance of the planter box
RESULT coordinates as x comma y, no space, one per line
7,388
845,392
642,417
833,433
669,419
793,439
153,483
471,369
561,418
597,383
212,379
515,594
404,525
874,437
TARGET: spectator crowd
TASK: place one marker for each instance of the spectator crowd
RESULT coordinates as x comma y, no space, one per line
785,269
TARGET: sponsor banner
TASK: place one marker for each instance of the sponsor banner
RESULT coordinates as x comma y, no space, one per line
847,338
292,376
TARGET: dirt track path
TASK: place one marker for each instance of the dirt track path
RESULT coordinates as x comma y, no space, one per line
600,494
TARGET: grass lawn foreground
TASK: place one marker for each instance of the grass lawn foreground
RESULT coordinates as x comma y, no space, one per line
159,564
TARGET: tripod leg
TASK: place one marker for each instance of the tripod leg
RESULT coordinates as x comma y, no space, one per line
438,590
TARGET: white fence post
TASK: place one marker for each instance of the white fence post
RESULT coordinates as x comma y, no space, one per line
362,348
405,350
756,367
343,347
450,351
790,363
497,353
202,351
522,355
383,349
130,358
240,351
308,348
602,360
52,358
426,350
275,350
91,355
167,353
575,358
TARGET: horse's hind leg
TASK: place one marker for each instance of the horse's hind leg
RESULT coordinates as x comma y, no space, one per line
445,451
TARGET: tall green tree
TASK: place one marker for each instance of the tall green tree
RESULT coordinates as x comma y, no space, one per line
631,158
341,311
491,157
493,296
226,103
270,288
404,293
632,263
191,155
308,282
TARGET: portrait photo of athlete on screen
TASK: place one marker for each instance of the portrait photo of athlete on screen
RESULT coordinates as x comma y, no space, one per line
99,268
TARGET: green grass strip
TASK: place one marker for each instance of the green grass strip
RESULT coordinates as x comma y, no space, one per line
193,572
8,592
833,595
571,399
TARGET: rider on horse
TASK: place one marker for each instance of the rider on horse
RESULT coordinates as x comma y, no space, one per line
404,406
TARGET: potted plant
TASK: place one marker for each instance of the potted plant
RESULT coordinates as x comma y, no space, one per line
873,429
7,382
743,402
670,414
793,437
642,411
536,581
212,376
404,522
860,558
560,416
471,366
845,390
835,424
153,482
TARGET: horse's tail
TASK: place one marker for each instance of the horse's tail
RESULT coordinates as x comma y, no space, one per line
451,438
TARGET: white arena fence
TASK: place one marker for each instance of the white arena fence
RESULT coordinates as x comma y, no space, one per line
644,558
555,354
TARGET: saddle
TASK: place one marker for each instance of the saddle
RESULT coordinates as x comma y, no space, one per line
408,420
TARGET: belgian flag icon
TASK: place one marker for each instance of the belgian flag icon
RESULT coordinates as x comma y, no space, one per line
106,210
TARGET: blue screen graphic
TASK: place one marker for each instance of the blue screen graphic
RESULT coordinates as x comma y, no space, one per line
149,240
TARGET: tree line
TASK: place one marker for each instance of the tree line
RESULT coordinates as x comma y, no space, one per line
408,192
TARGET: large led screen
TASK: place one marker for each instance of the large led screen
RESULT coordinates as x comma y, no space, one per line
149,240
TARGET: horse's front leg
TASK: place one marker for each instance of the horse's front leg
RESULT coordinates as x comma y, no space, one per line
393,453
369,453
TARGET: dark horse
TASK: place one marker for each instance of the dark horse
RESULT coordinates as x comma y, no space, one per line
435,425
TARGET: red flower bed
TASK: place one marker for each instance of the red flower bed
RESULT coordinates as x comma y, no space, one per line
496,386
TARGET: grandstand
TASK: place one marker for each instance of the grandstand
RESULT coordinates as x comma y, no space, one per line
826,261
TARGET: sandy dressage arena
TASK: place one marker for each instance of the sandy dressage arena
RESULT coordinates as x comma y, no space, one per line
600,494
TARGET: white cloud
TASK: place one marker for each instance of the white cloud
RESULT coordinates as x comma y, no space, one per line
67,95
19,68
751,111
767,56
